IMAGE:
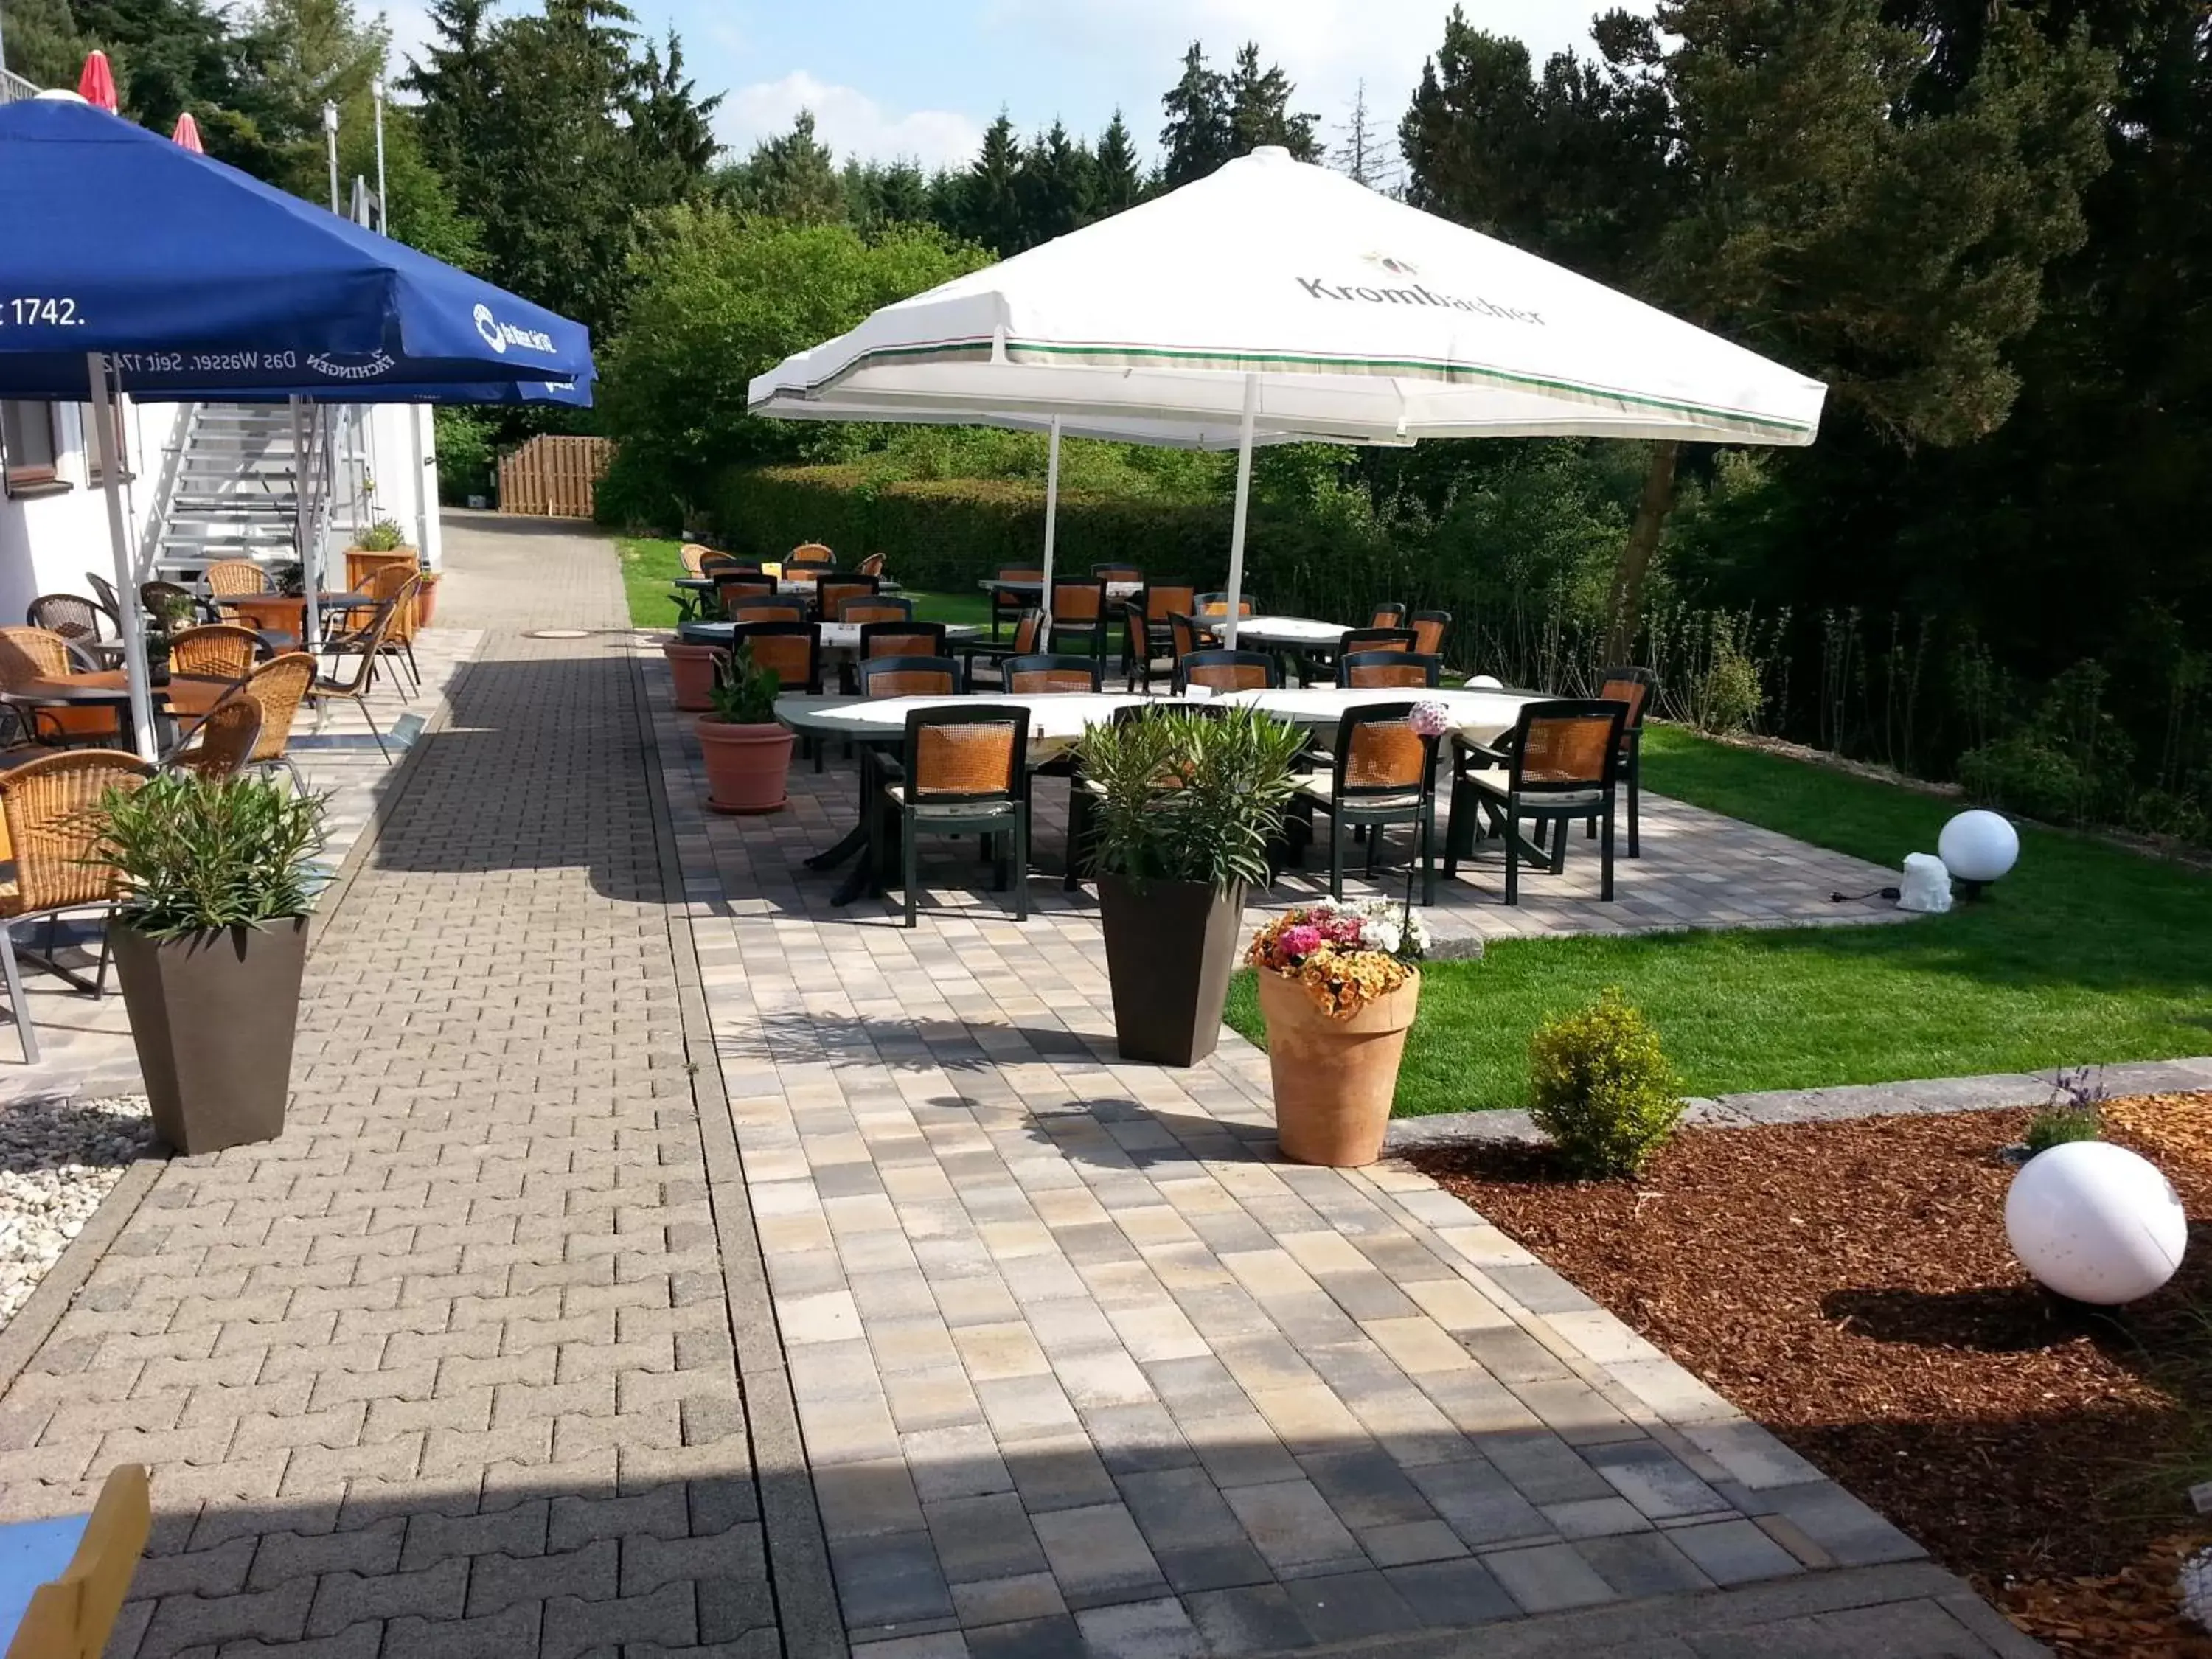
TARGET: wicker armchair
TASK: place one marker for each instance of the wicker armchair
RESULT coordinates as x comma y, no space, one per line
222,742
811,554
1079,615
695,557
1029,638
234,579
218,651
278,687
962,772
875,609
1368,671
54,831
1040,674
1559,764
1382,772
872,566
159,599
32,654
909,677
1228,670
72,615
831,590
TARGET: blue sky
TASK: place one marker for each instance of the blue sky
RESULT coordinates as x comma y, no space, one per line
925,76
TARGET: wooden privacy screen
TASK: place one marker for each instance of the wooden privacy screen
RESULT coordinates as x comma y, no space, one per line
553,475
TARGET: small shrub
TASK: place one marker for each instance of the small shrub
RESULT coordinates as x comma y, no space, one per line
1733,696
385,536
2024,773
2073,1112
1601,1088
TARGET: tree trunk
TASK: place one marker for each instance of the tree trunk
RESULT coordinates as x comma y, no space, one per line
1625,606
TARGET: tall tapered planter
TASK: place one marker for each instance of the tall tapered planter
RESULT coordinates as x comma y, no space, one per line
1170,947
213,1015
1335,1078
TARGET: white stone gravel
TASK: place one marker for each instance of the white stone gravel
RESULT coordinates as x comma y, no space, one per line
58,1157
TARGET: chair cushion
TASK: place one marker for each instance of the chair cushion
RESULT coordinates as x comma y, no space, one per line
1321,787
1563,800
978,809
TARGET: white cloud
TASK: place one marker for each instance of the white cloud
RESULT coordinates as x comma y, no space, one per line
847,120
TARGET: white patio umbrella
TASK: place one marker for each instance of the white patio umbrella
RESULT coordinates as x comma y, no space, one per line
1290,301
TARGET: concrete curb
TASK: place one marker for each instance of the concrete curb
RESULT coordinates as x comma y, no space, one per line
798,1550
1928,1096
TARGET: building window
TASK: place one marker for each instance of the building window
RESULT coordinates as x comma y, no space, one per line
86,416
27,446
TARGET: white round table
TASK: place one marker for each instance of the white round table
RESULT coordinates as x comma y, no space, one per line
834,636
1280,633
1483,716
1116,590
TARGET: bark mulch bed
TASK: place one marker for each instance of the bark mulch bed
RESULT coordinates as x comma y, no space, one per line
1848,1284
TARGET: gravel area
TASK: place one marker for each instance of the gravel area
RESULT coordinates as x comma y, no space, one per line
58,1158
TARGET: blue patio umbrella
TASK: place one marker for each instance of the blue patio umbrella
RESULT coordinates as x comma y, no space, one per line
128,263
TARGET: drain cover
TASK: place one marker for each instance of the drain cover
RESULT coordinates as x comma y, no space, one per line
560,633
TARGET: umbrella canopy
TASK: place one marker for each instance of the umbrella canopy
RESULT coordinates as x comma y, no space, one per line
95,83
187,133
1357,316
196,280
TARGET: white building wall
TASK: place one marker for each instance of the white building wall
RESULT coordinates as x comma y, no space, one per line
50,539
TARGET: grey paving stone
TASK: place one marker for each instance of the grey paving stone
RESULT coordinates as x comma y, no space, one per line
1643,1564
1348,1606
1594,1517
1053,1637
1008,1600
1452,1593
984,1537
890,1579
1842,1525
1733,1551
1140,1630
1256,1620
1548,1577
1367,1487
1653,1479
1406,1542
1198,1541
1099,1555
1482,1506
1543,1468
1292,1525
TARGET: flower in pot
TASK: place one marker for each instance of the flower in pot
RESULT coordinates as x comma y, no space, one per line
1184,804
1338,989
747,751
210,940
381,543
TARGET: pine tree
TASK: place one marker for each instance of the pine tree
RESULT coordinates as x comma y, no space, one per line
1053,187
990,196
1197,137
42,43
1116,182
792,176
1260,110
1365,156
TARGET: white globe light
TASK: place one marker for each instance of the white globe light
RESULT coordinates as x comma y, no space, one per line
1977,846
2095,1221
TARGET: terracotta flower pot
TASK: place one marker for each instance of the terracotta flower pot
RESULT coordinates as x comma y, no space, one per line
1335,1078
426,602
746,765
212,1016
692,668
1170,947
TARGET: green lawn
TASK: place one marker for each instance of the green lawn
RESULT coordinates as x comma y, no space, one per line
2085,953
648,565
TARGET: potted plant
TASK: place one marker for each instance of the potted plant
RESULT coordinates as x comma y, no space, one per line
747,751
166,618
426,598
383,543
1185,804
1338,989
691,671
210,940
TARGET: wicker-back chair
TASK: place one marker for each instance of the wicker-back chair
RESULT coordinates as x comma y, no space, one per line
1007,603
234,579
1078,609
909,677
1560,764
875,609
277,687
1634,687
1185,637
695,555
216,651
1368,671
734,588
810,554
793,650
1382,772
1029,639
872,566
831,590
35,653
1430,628
963,771
1139,653
103,590
1216,604
54,831
1228,670
780,608
1389,613
1118,572
902,638
398,581
222,742
714,564
1032,676
365,645
71,615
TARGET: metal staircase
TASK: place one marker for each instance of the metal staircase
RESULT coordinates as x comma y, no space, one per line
234,492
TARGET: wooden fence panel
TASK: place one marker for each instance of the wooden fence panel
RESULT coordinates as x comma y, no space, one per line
553,475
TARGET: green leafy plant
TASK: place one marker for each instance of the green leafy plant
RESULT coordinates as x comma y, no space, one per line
385,536
743,694
1188,796
2074,1112
195,854
1601,1088
290,577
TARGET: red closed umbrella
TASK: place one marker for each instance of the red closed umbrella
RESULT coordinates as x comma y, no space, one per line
187,133
96,85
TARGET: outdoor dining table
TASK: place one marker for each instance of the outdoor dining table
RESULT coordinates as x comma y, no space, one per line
1057,719
1115,590
1280,633
784,583
834,636
189,696
1482,716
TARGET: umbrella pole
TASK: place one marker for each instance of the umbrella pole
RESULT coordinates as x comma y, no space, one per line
311,586
1051,524
126,590
1243,502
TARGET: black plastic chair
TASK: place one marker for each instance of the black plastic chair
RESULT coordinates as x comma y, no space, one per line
1382,772
1228,670
963,771
909,677
1368,670
1044,672
1560,764
1079,616
1635,687
1010,602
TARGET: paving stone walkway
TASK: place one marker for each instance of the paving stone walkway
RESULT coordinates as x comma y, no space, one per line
449,1368
1083,1366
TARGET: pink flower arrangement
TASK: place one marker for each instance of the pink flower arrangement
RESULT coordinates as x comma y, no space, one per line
1346,955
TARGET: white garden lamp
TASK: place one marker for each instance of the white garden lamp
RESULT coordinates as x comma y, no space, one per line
2095,1222
1274,299
1978,848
